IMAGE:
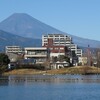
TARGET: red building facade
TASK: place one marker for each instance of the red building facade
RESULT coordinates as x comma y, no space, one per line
55,50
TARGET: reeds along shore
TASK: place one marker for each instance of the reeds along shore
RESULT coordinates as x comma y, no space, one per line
85,70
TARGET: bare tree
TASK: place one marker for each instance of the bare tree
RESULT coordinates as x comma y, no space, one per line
46,64
98,57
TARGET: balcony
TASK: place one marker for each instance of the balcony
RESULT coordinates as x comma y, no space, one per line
31,56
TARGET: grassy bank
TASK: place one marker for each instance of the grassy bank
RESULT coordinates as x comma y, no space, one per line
71,70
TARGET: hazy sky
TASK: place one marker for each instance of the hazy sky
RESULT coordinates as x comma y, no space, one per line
76,17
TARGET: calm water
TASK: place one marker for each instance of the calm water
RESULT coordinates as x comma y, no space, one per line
62,87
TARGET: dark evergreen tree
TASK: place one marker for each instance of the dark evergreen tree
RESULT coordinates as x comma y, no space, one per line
4,61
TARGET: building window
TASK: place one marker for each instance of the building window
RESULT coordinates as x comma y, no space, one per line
61,35
45,36
56,35
61,38
56,48
50,35
61,48
51,48
30,52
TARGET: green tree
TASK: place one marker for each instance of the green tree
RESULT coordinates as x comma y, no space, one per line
63,58
54,59
4,60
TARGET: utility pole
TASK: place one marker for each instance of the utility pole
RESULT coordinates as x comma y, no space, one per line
88,56
71,58
98,60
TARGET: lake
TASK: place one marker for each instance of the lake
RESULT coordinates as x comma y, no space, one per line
50,87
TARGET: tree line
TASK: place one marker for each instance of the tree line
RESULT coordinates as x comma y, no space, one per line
4,61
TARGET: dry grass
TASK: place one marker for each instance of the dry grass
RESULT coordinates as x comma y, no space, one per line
83,70
22,72
76,70
70,70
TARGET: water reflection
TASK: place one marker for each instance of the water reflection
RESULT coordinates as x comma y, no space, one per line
27,79
50,87
4,80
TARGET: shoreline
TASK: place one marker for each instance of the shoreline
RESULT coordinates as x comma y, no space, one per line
79,70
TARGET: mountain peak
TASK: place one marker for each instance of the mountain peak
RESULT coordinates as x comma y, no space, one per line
20,15
25,25
17,17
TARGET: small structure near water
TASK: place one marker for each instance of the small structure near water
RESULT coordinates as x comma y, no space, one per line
58,64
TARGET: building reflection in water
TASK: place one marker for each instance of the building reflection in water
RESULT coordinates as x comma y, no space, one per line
56,79
4,80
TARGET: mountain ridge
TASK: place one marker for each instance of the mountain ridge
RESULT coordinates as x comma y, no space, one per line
8,39
21,20
24,25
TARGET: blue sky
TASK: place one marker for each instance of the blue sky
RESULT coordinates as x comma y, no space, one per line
76,17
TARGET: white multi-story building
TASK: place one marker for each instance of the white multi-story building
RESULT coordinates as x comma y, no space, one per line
60,40
40,54
13,49
14,52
